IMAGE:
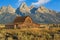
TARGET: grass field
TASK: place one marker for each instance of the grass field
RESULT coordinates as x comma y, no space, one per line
30,34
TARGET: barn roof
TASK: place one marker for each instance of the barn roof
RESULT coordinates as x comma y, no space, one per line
19,19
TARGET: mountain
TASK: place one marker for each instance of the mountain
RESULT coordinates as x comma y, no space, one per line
31,7
38,15
3,9
10,9
42,9
7,15
44,15
7,18
23,9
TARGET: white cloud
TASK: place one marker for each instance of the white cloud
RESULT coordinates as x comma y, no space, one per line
40,2
37,4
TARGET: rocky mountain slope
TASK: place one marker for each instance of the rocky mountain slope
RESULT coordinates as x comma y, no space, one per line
38,15
41,14
7,14
23,9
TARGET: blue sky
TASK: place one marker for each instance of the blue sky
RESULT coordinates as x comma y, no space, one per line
50,4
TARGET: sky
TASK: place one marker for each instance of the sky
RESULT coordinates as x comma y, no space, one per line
50,4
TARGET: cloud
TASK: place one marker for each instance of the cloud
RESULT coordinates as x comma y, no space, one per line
40,2
19,2
36,4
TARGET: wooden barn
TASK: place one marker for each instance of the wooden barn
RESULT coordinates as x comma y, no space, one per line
24,22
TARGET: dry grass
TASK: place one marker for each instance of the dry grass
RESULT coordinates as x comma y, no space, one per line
32,34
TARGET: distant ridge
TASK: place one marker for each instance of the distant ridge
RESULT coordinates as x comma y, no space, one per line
38,15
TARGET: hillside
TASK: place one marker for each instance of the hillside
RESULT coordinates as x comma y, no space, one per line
38,15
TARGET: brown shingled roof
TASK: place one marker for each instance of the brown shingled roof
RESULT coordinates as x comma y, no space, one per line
19,19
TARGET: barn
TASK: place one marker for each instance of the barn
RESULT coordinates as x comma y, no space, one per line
25,22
